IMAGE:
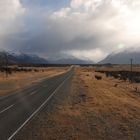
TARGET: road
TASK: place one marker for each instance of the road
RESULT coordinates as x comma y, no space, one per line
17,109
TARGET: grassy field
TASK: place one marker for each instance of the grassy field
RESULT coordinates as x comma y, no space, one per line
18,80
107,109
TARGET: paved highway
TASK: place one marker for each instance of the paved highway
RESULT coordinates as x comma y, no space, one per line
17,109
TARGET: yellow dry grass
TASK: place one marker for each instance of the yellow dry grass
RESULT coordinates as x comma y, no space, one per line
19,80
96,110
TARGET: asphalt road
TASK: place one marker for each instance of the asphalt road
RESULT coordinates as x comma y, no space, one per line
17,109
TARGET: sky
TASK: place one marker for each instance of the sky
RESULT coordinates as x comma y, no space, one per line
85,29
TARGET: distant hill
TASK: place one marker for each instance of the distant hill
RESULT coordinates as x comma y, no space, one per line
21,58
29,58
122,58
70,61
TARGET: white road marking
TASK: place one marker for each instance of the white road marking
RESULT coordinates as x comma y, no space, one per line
7,108
35,112
33,93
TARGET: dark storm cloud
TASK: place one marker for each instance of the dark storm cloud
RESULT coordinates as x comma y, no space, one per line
80,28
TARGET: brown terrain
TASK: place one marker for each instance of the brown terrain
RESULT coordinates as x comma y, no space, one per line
19,80
106,109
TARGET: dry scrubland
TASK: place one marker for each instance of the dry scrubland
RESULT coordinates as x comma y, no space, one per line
19,80
136,67
94,110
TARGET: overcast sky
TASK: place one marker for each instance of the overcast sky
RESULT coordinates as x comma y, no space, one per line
86,29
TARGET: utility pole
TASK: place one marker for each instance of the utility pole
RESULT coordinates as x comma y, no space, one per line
131,69
6,63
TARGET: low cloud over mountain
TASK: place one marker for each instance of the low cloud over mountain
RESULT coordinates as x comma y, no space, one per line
83,28
122,57
22,58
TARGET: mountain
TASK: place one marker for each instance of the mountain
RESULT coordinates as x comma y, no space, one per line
5,56
21,58
70,61
30,58
122,58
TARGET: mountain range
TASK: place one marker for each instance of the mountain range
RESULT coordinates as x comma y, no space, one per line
70,61
122,57
22,58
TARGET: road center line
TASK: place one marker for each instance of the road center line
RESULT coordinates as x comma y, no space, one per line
33,93
7,108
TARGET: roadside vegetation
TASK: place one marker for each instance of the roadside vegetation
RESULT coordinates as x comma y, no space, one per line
14,78
105,108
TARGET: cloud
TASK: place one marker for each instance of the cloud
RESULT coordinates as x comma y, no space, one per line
10,10
98,24
88,29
